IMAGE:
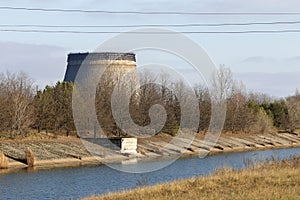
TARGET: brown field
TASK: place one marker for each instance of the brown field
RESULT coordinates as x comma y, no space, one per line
265,181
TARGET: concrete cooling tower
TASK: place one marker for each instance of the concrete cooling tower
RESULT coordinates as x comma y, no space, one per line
118,62
112,76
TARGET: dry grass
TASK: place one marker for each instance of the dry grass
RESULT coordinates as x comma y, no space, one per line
30,157
42,137
3,161
266,181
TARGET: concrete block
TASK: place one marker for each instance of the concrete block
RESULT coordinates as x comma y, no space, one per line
129,145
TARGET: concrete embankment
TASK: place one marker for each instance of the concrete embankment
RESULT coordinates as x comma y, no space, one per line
63,153
226,143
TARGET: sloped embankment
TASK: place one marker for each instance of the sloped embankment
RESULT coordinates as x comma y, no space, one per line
71,152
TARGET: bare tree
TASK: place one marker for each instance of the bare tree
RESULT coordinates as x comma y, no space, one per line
17,93
293,104
222,82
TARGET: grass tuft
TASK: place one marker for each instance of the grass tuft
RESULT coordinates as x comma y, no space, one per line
30,157
3,161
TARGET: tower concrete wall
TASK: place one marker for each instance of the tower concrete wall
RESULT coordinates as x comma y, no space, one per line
116,62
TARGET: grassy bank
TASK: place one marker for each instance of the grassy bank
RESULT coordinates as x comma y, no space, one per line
265,181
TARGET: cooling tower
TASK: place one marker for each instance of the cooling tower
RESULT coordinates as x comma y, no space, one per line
117,61
101,79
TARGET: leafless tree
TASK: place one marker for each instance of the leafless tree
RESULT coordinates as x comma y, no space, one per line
293,104
222,84
17,93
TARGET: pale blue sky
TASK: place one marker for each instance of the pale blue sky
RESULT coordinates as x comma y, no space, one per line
264,62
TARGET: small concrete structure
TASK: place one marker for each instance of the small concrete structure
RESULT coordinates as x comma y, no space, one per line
129,145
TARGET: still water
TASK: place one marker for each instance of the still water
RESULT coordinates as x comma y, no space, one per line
74,183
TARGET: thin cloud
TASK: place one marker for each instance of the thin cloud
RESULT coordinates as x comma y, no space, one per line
293,59
257,59
280,84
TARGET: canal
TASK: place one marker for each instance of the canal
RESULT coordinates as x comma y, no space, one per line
74,183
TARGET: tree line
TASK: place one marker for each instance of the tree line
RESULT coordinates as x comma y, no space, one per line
26,110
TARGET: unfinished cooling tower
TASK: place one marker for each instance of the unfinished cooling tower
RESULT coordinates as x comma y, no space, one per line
101,81
118,62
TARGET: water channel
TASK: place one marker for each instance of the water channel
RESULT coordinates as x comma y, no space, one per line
74,183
